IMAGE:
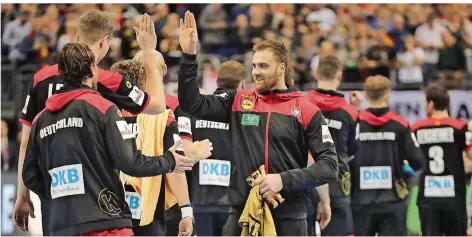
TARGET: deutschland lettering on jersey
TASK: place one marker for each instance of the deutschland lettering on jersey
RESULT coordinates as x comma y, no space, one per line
384,142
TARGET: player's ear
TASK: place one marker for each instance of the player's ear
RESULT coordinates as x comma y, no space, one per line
164,70
282,69
316,75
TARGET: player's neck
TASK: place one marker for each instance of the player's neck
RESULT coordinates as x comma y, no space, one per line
280,85
88,83
439,114
327,85
377,104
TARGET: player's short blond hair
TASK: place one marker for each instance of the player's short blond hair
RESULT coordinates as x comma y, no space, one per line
139,58
93,26
376,87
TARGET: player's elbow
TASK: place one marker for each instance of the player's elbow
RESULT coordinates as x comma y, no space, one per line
155,107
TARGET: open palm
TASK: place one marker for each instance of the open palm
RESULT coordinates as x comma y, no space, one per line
188,34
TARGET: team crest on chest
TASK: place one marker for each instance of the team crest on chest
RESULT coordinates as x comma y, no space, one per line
247,102
296,111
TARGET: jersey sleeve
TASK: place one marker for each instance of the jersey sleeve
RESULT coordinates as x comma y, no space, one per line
30,109
171,131
321,146
121,144
208,107
468,136
120,91
412,150
32,175
184,124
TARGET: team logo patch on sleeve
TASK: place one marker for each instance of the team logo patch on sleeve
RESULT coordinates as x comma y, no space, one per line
184,125
137,95
128,84
325,134
125,130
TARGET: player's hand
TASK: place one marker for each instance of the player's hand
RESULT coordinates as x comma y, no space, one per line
182,163
269,184
323,214
146,34
355,98
202,149
23,208
186,227
188,34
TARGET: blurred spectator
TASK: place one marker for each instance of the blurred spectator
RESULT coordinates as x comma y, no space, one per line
8,14
302,58
15,32
324,16
451,56
213,23
399,32
381,20
240,34
169,46
129,45
365,37
429,37
69,35
459,29
162,11
352,59
257,22
409,62
381,56
326,49
9,148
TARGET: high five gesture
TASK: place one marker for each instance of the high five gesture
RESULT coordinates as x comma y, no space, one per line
188,37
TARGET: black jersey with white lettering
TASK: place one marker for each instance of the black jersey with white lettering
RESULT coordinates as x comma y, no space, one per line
217,165
76,148
112,86
443,181
341,118
384,141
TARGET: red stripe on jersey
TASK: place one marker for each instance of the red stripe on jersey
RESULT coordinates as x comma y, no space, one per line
97,101
186,138
37,116
25,122
432,122
110,80
371,119
171,101
170,119
45,73
351,110
291,104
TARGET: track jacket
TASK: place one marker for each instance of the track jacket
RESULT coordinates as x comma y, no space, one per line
276,128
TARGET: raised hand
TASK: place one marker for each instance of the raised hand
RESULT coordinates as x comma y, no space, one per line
146,34
188,37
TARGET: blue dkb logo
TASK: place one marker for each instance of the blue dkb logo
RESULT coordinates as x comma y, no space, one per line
62,177
377,174
215,169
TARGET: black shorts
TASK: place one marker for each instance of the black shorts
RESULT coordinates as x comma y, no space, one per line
369,221
210,224
283,227
436,221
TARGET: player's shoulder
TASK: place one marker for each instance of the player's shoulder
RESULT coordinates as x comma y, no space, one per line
455,123
97,101
399,119
45,73
111,80
351,110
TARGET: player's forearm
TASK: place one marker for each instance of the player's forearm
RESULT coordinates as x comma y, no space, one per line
189,94
189,148
323,192
22,189
154,85
178,185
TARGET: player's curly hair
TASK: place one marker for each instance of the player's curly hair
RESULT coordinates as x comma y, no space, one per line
75,62
131,70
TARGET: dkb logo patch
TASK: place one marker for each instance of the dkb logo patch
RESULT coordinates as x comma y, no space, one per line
67,180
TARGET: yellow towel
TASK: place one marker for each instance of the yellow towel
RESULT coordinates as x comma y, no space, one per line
151,142
256,219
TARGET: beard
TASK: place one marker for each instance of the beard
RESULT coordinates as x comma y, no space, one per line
267,83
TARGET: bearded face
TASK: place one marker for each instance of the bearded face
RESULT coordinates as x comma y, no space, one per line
265,70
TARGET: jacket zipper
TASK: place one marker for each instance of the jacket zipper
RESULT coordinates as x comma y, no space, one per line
266,152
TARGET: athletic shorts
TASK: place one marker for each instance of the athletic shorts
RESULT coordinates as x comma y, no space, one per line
369,222
436,221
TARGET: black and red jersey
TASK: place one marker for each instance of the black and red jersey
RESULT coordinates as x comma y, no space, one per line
384,142
77,145
341,118
443,181
276,129
112,86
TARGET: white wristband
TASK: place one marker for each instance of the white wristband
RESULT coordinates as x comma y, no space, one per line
187,211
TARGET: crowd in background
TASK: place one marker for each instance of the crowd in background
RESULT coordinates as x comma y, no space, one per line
409,43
